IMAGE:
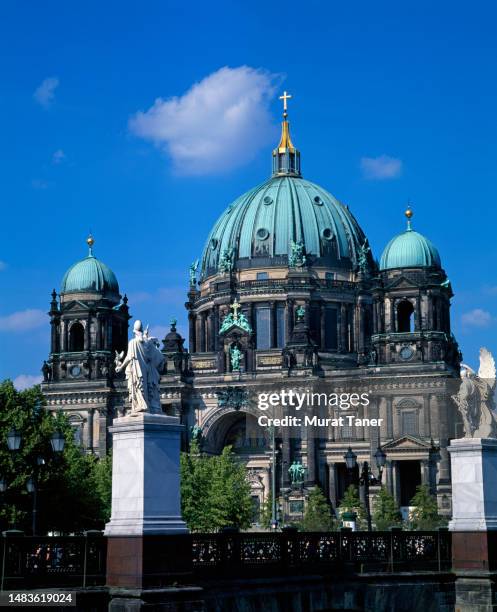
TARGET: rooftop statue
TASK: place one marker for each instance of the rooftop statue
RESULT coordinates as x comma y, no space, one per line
226,261
362,260
143,364
193,273
297,257
475,399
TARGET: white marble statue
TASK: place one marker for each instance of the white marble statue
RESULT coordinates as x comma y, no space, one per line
143,364
475,398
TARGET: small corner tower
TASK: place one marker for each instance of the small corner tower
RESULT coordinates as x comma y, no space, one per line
412,303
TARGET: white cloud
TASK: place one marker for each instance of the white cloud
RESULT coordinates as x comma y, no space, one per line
23,320
381,168
45,93
24,381
58,157
3,265
218,124
476,318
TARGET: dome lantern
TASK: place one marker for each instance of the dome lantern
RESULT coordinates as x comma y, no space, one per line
286,158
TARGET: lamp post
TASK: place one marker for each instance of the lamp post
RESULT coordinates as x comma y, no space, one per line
14,441
274,519
366,477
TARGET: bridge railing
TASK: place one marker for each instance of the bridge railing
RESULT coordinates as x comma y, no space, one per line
233,554
80,561
72,561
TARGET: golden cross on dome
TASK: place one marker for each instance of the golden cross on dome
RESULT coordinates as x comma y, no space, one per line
235,307
286,96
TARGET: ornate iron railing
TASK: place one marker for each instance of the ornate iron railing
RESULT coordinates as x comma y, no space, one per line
271,553
32,562
80,561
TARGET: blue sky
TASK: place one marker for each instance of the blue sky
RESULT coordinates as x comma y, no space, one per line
104,127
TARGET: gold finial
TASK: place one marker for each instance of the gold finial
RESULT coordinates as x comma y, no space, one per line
286,96
408,213
90,241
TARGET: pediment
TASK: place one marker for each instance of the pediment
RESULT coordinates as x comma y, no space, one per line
402,282
75,306
406,443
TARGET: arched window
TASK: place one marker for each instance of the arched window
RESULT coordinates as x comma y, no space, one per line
405,317
76,337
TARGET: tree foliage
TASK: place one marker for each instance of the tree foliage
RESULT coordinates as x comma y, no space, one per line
425,515
317,515
386,512
67,498
215,492
351,503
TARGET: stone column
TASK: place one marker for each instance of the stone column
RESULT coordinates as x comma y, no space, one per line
343,328
285,458
322,321
202,332
332,489
211,333
311,458
89,433
191,332
272,324
64,335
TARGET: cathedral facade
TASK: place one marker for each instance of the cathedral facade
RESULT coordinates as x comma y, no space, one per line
286,295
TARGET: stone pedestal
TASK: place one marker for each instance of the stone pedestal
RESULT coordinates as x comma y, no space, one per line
474,522
474,484
148,540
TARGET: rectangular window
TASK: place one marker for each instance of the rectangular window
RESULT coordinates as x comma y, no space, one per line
330,275
280,326
331,335
263,327
315,324
262,276
409,422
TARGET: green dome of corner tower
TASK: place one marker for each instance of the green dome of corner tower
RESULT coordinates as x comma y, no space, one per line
410,249
258,228
90,275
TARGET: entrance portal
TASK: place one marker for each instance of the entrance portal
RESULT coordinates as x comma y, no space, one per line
410,478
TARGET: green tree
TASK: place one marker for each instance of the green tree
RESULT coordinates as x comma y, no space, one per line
351,503
102,481
317,515
267,511
215,492
424,515
386,512
67,501
230,500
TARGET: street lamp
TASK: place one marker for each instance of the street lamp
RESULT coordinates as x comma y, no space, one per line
14,439
366,477
58,441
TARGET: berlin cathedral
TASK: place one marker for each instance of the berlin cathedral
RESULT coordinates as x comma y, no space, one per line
286,294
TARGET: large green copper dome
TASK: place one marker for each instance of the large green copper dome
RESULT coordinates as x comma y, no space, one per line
90,275
410,249
259,228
